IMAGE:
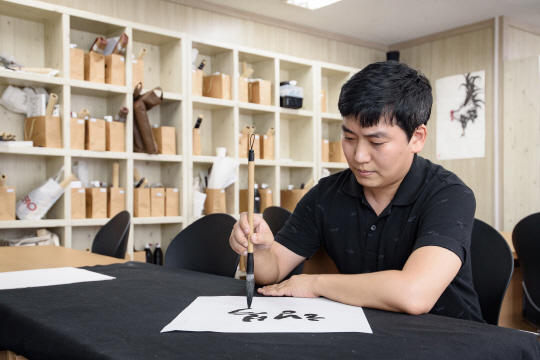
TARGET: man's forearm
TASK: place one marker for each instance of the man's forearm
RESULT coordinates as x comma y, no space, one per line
386,290
266,267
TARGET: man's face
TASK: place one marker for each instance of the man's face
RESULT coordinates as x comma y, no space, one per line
379,156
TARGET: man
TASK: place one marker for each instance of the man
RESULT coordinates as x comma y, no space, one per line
397,226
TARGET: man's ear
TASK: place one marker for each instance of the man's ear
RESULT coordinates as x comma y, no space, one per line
419,139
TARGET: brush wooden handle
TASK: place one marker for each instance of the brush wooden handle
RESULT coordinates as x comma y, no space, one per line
53,98
141,55
116,166
251,201
3,180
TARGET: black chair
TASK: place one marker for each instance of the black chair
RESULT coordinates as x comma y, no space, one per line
276,217
492,265
526,240
204,246
112,239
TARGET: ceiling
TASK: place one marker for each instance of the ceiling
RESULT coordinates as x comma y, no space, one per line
390,21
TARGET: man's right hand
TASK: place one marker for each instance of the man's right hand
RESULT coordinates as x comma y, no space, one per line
262,238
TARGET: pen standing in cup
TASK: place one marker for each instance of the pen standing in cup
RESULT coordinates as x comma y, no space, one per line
3,179
250,277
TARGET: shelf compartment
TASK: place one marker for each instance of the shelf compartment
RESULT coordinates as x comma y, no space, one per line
218,59
148,233
296,139
295,176
169,113
264,68
30,229
32,36
162,61
331,131
217,130
14,122
331,81
303,74
26,173
101,170
262,122
169,174
229,191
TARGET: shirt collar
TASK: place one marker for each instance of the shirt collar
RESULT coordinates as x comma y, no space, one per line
408,190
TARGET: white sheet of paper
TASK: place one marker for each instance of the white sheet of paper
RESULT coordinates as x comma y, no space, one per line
48,277
213,313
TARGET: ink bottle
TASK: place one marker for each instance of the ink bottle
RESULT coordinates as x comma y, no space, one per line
149,257
158,255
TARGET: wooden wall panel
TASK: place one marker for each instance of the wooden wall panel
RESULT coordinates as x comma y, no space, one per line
521,140
457,54
212,25
521,43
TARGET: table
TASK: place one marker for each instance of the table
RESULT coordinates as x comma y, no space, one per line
16,258
122,319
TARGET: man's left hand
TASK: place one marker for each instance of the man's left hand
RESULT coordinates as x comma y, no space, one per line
296,286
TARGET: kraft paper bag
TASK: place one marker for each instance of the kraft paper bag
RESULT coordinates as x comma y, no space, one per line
197,142
96,203
115,70
166,139
116,201
157,202
336,152
243,89
217,86
115,136
323,101
325,150
197,82
289,198
267,147
78,203
7,203
95,137
172,202
215,201
44,131
141,202
266,198
243,145
137,67
260,92
77,130
76,64
94,67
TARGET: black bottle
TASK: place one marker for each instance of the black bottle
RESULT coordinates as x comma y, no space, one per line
149,257
257,198
158,255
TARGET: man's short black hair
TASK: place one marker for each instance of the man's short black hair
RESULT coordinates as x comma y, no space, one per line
390,89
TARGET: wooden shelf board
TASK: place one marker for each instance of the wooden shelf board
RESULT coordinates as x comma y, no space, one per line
158,157
90,88
255,109
89,222
35,151
99,154
204,159
301,164
208,103
334,165
292,114
331,116
27,79
157,220
30,224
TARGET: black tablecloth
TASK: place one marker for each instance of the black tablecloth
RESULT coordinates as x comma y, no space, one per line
122,319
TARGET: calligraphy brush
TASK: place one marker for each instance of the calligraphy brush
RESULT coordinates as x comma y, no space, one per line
250,278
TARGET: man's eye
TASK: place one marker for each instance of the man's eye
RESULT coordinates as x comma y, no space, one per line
377,144
348,138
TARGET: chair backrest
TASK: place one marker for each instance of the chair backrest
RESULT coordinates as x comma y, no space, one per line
112,238
492,267
276,217
204,246
526,240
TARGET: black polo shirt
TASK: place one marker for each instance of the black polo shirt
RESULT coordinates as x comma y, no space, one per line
432,207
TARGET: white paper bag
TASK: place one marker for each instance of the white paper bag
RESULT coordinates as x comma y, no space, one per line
36,204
